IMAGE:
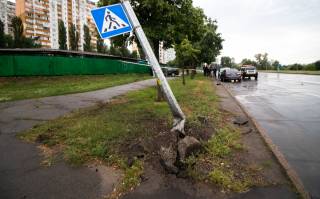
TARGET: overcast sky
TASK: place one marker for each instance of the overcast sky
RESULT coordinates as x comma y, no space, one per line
288,30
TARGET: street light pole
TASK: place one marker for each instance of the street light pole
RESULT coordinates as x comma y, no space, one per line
179,117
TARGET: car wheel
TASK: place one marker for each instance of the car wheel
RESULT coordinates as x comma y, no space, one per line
256,78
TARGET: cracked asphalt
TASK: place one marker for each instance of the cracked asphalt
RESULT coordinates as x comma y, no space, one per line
21,173
287,106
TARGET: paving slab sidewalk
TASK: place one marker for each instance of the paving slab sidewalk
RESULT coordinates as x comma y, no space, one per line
21,173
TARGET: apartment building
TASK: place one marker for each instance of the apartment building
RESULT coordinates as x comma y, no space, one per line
166,55
7,12
161,53
41,17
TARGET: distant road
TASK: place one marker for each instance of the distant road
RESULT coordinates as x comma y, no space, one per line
305,72
287,106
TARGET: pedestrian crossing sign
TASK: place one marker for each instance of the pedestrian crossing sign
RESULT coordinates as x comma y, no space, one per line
111,21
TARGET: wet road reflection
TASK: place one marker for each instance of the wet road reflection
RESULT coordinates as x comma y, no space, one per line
288,107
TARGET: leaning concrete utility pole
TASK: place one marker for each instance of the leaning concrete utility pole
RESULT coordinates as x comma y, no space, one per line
179,117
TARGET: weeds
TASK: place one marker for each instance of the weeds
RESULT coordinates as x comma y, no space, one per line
222,143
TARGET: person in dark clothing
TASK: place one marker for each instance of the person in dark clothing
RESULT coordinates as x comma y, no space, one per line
205,69
214,68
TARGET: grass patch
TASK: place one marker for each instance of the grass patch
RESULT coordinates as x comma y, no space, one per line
223,142
98,133
218,164
18,88
227,180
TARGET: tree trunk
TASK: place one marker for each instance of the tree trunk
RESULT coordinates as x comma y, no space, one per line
193,73
160,96
183,79
156,48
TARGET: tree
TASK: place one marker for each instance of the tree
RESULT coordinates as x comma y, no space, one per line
17,32
248,62
317,65
262,61
62,36
100,44
275,64
30,43
134,54
19,40
124,51
186,56
73,37
115,51
2,35
87,38
210,46
8,41
226,61
295,67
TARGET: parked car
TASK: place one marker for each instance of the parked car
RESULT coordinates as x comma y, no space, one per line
228,74
168,71
249,71
221,70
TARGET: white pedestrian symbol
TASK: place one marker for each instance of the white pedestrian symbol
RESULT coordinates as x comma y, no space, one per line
112,22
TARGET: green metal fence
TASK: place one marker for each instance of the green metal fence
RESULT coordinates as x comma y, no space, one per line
49,65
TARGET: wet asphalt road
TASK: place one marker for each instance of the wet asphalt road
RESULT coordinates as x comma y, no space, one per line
288,107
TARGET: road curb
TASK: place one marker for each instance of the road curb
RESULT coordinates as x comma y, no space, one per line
291,173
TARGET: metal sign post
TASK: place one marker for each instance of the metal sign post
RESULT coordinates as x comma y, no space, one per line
179,117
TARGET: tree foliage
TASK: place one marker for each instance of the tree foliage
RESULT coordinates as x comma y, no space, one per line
317,65
262,60
210,47
17,31
101,48
2,35
19,40
248,62
87,38
73,37
186,54
226,61
134,55
62,36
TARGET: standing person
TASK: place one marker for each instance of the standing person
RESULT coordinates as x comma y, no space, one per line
218,72
205,70
210,70
214,70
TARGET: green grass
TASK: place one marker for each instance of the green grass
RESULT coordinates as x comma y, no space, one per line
35,87
94,133
98,133
226,179
220,151
225,140
102,132
293,72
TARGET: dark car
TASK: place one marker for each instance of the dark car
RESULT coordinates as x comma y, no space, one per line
168,71
249,71
228,74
